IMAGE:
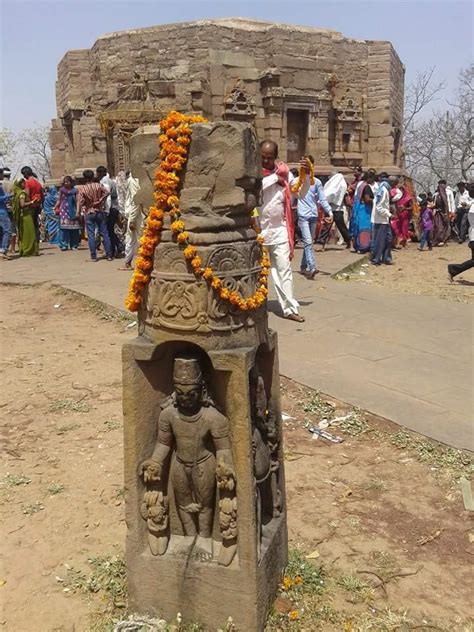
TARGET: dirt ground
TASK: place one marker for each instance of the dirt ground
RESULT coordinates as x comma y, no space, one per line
424,273
381,513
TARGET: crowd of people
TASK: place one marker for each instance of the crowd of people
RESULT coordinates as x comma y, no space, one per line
373,214
98,208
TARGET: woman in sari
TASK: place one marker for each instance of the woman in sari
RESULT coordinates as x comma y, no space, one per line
51,218
24,215
442,227
66,207
361,225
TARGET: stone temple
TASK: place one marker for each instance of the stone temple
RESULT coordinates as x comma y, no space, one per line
312,90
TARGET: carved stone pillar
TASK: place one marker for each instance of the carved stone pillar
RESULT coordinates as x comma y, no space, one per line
205,505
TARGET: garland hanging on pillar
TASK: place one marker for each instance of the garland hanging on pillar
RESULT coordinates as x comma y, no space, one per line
174,146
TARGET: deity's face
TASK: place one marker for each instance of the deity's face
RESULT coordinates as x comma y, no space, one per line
188,397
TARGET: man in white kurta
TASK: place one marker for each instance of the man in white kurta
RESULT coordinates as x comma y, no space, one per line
274,229
134,218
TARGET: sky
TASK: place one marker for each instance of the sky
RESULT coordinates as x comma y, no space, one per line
35,35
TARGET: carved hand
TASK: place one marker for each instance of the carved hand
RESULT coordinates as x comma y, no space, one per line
151,470
225,476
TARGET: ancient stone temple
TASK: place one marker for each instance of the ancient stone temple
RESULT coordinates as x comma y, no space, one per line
205,503
312,90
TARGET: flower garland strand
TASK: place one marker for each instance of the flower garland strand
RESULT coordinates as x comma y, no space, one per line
174,143
301,176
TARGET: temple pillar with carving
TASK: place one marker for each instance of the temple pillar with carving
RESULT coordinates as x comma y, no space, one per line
205,504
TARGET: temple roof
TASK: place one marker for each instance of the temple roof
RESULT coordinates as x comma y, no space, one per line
243,24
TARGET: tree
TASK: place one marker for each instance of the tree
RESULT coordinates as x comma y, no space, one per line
441,146
36,150
8,147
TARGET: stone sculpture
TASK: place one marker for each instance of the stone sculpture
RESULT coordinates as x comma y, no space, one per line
265,448
203,461
205,503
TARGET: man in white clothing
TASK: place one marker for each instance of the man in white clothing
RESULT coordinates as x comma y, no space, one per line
462,203
380,218
134,218
111,210
277,225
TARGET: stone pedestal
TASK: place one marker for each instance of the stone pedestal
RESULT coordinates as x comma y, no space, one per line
205,506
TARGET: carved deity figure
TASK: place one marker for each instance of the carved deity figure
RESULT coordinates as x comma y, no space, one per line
265,446
202,463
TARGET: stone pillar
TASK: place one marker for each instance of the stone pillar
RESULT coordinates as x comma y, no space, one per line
205,506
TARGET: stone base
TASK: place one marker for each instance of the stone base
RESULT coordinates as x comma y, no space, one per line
207,593
204,592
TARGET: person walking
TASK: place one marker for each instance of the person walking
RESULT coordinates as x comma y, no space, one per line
24,215
426,223
277,226
401,199
66,207
34,191
50,215
454,269
5,181
5,224
91,197
310,198
134,218
335,191
111,210
461,204
444,207
382,232
361,226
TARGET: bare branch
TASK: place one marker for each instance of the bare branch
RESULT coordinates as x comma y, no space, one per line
419,94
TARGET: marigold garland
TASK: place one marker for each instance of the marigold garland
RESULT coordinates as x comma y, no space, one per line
301,176
174,143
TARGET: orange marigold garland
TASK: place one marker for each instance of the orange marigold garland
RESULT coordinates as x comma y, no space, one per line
174,142
301,176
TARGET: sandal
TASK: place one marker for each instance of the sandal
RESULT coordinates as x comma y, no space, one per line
296,317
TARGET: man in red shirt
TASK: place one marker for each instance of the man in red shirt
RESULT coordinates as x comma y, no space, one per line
91,197
35,193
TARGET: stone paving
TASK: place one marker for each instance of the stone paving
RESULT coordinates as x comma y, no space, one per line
408,358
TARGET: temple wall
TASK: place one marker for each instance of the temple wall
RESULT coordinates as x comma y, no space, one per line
311,90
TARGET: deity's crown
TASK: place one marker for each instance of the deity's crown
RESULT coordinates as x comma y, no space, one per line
187,371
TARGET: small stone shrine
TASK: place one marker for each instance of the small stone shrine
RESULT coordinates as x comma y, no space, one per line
205,509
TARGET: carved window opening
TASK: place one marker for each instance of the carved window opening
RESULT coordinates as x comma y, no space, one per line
239,105
297,123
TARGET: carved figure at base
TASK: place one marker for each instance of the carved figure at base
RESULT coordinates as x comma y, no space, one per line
268,497
202,461
154,510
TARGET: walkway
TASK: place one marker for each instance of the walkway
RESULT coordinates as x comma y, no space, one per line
405,357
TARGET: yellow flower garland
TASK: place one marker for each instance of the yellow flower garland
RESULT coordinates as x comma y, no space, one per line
174,142
301,176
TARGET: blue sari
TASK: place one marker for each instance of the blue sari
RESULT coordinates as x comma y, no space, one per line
360,225
51,219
